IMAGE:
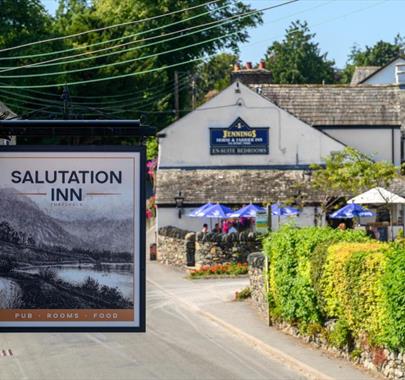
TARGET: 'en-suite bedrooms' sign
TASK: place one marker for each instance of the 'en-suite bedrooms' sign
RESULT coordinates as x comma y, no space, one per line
239,139
72,238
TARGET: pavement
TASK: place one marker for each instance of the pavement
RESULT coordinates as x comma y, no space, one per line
214,300
180,343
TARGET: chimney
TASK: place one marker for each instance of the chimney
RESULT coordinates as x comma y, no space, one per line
262,64
250,76
236,67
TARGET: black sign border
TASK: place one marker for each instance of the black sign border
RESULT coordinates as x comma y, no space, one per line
239,154
142,243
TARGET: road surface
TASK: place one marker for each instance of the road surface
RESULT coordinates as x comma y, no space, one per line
179,344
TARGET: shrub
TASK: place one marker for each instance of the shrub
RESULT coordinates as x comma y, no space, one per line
243,294
393,287
293,295
352,287
319,274
220,269
340,335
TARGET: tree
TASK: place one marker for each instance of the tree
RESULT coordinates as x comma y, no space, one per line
377,55
297,58
144,94
347,173
214,75
152,91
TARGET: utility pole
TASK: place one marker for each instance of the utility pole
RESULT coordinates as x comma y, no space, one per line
193,90
66,102
176,94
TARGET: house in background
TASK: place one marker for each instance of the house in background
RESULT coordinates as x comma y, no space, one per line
237,148
391,73
304,124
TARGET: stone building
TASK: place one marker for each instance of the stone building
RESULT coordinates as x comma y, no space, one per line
255,141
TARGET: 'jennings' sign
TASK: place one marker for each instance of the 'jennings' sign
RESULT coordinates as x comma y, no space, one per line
72,239
239,138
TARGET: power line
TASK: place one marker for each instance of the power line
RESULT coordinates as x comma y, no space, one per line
53,62
26,99
107,27
125,61
217,23
121,95
114,39
105,78
118,63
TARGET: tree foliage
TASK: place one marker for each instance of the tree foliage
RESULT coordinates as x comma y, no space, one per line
150,92
377,55
214,75
350,172
298,59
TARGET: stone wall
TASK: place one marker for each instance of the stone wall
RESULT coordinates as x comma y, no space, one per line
257,278
173,245
390,364
214,248
178,247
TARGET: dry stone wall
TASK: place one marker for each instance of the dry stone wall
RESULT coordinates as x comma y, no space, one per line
173,245
183,249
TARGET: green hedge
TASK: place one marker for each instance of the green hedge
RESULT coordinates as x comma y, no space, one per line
318,274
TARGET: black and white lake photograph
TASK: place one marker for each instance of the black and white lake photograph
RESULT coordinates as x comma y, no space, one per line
69,263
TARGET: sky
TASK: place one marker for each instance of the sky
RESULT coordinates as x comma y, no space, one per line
338,24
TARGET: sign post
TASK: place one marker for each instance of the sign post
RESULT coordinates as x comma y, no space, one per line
72,238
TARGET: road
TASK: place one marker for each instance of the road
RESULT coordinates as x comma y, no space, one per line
179,344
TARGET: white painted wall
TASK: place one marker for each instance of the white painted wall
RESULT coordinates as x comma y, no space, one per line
386,75
304,219
168,216
291,140
375,142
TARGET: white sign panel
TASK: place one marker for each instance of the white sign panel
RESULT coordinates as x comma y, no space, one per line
72,239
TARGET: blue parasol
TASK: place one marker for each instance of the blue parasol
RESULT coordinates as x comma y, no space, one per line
351,211
215,211
276,209
195,213
248,211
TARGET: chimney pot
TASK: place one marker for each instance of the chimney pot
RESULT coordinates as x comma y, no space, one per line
262,64
249,65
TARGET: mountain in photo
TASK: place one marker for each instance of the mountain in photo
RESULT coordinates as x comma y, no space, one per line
103,234
24,216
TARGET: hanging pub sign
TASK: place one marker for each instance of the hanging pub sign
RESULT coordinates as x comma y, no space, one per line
72,238
239,138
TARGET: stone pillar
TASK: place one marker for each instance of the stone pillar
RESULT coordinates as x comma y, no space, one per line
258,268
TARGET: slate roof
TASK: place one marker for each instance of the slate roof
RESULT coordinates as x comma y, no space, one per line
320,105
361,73
231,186
241,186
5,112
401,56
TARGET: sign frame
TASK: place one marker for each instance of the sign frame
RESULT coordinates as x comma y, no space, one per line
141,150
239,125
